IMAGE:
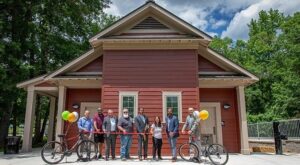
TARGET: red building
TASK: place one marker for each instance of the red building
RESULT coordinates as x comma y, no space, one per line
150,58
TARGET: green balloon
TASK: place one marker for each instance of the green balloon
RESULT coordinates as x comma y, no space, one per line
64,115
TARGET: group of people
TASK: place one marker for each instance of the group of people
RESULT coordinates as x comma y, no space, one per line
106,128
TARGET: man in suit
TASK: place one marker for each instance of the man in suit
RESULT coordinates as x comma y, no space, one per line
109,127
142,126
172,125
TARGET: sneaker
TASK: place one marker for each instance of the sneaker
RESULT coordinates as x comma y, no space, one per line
160,158
140,158
100,156
123,159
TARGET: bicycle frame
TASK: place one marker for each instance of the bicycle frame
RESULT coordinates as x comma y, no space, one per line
203,152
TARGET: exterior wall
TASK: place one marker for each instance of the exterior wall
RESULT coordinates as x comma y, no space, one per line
150,73
78,96
231,135
94,66
205,65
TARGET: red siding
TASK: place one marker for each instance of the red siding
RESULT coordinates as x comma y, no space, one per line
150,73
78,96
231,138
206,65
150,68
94,66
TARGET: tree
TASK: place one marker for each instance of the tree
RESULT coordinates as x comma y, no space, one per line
36,38
272,53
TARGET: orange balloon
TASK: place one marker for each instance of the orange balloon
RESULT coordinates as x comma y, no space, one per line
203,114
71,117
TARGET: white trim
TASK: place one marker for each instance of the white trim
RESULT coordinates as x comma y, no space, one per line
135,94
217,106
177,94
61,104
154,8
211,53
31,81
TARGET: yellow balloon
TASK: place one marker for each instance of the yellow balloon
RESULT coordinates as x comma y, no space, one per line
203,115
71,117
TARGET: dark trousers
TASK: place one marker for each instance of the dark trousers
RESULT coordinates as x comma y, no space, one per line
142,144
110,145
157,144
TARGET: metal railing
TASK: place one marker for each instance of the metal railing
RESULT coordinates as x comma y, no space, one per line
264,130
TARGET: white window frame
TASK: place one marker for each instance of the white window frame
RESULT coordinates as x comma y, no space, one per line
127,93
177,94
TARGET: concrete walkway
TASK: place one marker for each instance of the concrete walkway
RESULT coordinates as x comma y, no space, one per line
34,158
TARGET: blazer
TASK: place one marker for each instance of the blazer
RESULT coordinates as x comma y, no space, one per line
174,125
106,125
140,125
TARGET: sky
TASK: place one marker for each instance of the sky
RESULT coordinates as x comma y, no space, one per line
224,18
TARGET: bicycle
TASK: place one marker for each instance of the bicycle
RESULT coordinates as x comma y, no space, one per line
53,152
216,153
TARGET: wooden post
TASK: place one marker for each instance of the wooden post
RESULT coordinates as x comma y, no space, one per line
29,119
51,119
243,120
60,109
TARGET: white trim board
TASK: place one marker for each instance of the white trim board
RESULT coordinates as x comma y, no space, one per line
135,94
177,94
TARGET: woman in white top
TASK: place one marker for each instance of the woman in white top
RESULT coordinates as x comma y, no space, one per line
156,131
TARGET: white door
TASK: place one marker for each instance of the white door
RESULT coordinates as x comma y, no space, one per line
90,106
212,125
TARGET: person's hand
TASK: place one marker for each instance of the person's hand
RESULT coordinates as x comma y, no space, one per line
171,134
98,130
183,132
90,136
189,132
124,131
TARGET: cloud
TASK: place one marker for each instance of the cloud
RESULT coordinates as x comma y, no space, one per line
238,27
215,24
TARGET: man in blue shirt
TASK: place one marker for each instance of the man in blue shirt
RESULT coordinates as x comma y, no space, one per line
85,125
172,125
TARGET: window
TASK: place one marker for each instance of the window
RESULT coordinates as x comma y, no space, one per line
172,100
128,100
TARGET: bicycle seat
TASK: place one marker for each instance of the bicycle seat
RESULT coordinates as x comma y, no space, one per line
61,135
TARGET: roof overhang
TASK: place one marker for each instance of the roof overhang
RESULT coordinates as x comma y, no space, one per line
155,10
225,82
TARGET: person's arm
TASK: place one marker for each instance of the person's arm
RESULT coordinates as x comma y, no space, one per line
136,124
79,123
195,125
95,125
176,125
185,125
120,126
104,125
92,127
152,129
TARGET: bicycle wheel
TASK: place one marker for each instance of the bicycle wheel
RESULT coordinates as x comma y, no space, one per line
87,150
53,152
188,151
217,154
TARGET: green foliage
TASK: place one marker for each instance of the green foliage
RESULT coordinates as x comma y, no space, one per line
272,53
37,37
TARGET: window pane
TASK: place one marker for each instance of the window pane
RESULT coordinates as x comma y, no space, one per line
128,102
172,102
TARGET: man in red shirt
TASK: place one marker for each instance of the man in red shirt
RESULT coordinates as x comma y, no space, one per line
99,138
